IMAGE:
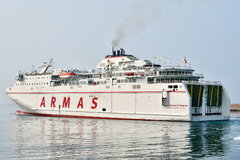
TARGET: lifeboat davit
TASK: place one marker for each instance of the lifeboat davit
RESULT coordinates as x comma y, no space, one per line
67,75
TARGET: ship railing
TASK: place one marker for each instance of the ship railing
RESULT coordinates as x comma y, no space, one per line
213,110
175,66
171,81
37,74
196,110
204,82
198,74
177,74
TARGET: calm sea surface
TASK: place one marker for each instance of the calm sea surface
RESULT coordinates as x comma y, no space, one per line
32,137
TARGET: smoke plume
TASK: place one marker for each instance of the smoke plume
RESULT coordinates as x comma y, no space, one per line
140,16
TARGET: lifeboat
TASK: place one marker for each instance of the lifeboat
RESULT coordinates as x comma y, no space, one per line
67,75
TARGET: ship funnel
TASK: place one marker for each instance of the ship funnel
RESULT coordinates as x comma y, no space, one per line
113,52
118,52
122,51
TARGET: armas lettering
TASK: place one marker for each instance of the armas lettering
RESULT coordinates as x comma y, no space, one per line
67,101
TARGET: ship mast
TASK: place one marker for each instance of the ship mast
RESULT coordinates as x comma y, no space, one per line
45,66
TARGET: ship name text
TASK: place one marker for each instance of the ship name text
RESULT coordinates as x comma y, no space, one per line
66,102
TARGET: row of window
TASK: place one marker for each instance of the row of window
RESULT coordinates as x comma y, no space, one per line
90,76
136,86
105,82
90,82
169,80
118,74
25,84
37,77
174,72
123,74
172,86
126,81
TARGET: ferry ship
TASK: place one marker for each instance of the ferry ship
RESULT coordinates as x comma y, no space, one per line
121,87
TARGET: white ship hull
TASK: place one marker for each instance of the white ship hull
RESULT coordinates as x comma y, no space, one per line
110,102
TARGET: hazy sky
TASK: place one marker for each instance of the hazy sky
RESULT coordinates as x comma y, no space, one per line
79,33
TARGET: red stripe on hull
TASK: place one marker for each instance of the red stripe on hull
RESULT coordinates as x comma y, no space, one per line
89,92
73,116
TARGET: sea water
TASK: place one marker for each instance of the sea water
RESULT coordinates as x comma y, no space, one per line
34,137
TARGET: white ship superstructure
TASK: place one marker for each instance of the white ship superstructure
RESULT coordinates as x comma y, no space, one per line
121,87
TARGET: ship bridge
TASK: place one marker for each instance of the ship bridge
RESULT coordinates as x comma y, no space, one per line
119,58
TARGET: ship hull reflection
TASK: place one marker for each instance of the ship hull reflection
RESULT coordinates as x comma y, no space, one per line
65,138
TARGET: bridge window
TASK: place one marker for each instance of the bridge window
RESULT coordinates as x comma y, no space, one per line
150,80
158,80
